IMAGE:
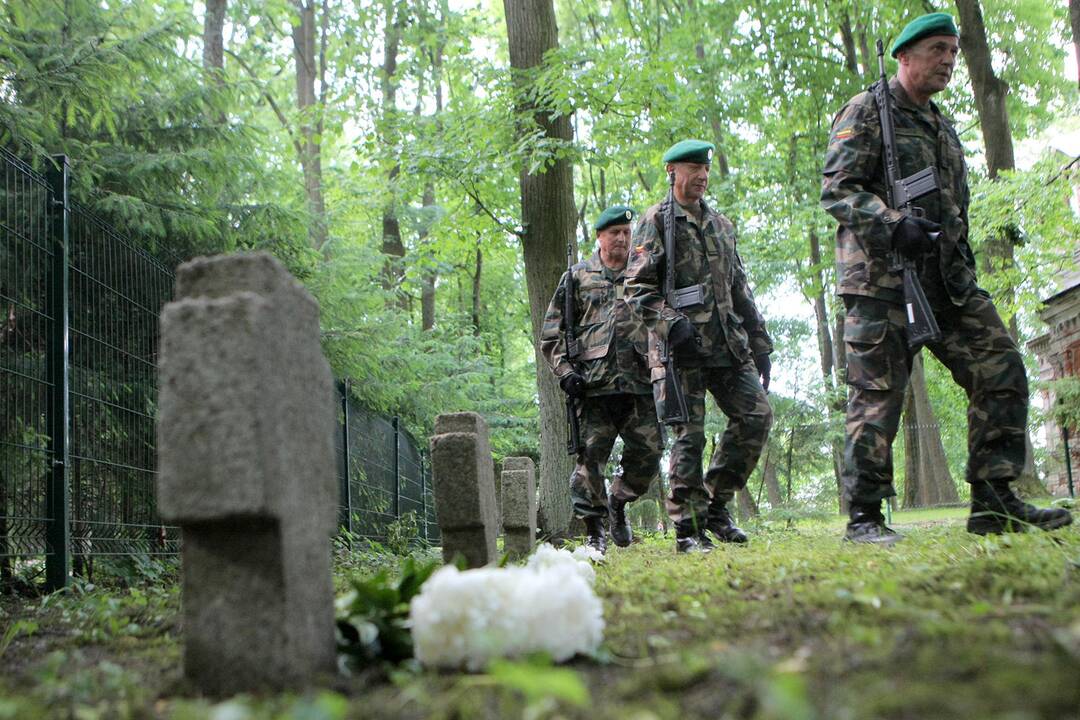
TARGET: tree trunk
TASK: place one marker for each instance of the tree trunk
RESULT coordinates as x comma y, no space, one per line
214,73
657,493
585,235
547,219
927,481
847,37
303,35
393,247
864,51
790,453
830,358
772,484
476,288
213,39
1074,21
821,314
990,95
990,90
839,358
747,507
428,274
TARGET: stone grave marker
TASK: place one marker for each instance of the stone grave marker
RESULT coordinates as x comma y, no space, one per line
246,468
463,479
519,506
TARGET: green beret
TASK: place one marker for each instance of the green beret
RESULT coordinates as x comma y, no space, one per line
614,215
693,151
925,26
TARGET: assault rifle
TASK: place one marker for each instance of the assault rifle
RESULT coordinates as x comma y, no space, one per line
675,410
573,352
922,327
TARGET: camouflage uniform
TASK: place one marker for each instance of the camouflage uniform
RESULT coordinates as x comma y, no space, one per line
731,330
618,399
975,345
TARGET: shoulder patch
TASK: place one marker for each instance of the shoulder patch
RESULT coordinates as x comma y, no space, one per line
844,134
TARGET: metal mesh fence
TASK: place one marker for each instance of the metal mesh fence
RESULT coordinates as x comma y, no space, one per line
79,308
26,258
117,291
382,474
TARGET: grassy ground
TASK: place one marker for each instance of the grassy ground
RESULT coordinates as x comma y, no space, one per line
795,625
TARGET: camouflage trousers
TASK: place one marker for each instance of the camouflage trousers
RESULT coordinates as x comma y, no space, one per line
981,356
602,419
738,393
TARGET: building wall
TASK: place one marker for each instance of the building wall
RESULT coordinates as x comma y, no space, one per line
1058,352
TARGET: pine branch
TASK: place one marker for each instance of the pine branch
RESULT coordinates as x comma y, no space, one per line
270,100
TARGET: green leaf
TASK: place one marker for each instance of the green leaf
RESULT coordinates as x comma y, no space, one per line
536,680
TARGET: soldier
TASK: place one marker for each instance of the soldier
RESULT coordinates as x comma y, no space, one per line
610,383
719,343
974,344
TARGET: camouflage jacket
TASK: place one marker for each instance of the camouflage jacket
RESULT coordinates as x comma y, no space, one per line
730,326
611,337
853,191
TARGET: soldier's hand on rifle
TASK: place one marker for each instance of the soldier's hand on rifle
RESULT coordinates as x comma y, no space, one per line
911,236
682,336
573,385
764,368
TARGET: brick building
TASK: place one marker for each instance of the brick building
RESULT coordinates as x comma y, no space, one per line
1058,352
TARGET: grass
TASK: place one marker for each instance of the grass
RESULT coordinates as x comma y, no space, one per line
795,625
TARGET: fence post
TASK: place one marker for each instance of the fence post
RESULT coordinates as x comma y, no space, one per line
346,484
423,494
397,467
58,528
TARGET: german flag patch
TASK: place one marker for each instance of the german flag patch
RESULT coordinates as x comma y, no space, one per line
844,134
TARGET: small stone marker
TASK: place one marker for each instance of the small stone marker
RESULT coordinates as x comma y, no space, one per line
246,468
463,478
519,506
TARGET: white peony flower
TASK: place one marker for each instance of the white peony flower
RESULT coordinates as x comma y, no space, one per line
467,618
585,552
547,557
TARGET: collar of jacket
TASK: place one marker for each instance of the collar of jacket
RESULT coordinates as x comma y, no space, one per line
680,211
596,265
706,214
903,100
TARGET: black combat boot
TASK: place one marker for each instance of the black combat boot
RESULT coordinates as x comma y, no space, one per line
721,524
706,543
688,539
867,525
597,538
995,509
621,533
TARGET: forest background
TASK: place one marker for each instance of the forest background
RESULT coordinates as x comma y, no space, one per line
421,164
